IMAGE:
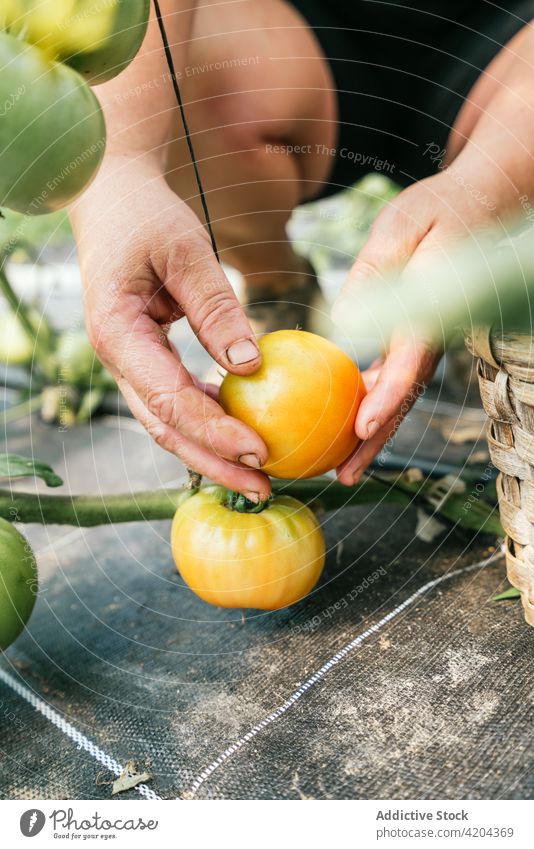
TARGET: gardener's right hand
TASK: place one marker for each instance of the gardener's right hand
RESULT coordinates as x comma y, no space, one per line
146,261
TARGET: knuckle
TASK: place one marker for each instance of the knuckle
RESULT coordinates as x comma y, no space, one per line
399,210
165,437
368,268
217,305
159,433
188,255
390,220
162,405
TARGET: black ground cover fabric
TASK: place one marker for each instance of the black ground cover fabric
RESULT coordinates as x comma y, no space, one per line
437,703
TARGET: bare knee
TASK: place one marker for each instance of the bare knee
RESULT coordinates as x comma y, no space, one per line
247,89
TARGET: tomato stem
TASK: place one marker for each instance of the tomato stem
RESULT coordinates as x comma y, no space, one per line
195,480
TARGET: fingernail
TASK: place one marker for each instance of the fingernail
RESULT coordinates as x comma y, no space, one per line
242,352
250,460
372,428
252,496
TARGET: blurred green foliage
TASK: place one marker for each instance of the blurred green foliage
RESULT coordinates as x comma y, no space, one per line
332,231
27,237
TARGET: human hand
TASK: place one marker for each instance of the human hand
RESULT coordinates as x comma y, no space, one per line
147,261
412,233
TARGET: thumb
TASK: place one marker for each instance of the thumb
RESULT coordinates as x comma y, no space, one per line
199,285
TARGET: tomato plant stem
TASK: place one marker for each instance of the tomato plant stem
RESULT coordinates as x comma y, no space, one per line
17,306
20,310
21,410
91,510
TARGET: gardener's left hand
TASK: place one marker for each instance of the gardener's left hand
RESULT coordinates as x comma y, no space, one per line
414,231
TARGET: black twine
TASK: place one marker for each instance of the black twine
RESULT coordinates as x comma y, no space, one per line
176,87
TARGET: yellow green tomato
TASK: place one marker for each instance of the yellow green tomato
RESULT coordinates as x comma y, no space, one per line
265,560
52,131
16,349
98,38
18,583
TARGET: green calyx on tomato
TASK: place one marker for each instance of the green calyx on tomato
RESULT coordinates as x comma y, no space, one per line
241,504
52,130
18,583
264,560
98,38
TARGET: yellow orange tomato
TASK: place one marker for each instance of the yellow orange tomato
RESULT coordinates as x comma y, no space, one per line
265,560
302,401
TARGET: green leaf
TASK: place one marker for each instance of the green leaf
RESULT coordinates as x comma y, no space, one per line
459,508
508,595
481,517
15,466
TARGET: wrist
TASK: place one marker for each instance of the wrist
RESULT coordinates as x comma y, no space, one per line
124,166
119,174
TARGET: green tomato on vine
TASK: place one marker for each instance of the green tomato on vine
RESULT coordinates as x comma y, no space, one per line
18,583
52,130
98,38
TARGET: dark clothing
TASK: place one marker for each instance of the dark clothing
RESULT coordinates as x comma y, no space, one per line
402,71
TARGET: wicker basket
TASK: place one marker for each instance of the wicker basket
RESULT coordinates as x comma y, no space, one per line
506,380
